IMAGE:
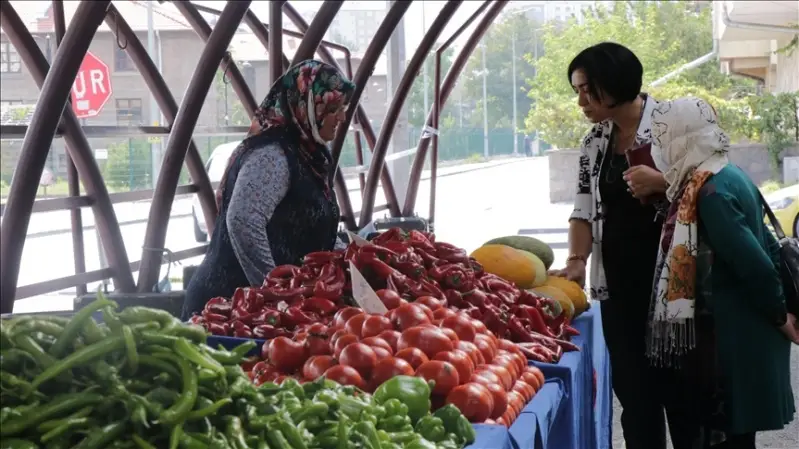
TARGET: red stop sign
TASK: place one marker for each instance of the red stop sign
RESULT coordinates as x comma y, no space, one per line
91,89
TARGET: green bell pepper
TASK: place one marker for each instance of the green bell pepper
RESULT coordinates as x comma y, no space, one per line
414,392
396,423
395,408
431,428
456,423
420,443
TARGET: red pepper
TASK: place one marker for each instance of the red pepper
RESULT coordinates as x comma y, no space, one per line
282,294
267,316
243,316
381,252
214,317
327,273
255,300
538,353
351,251
393,234
265,331
242,332
397,247
477,298
391,284
238,298
536,320
370,262
218,328
455,299
197,319
493,284
476,267
528,299
494,300
321,257
412,270
475,313
429,260
432,287
494,321
223,308
283,271
568,331
293,316
321,306
419,240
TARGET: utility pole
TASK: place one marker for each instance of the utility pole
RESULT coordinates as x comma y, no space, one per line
485,102
513,70
400,169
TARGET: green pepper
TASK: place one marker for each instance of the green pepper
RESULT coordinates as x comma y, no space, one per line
130,348
414,392
17,444
141,442
292,435
77,323
103,436
50,425
396,423
79,357
190,352
457,424
63,404
209,410
66,426
44,326
185,403
159,365
15,383
29,345
310,409
403,437
277,440
431,428
14,358
92,332
420,443
235,433
138,314
369,438
394,407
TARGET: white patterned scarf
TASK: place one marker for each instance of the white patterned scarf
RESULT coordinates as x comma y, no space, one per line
688,147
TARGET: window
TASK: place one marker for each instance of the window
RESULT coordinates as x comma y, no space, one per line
129,112
122,62
9,59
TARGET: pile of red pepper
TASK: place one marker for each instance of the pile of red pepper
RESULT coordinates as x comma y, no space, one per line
412,264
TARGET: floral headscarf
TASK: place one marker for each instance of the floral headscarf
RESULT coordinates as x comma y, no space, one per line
295,106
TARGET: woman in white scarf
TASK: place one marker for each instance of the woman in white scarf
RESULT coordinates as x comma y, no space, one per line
717,290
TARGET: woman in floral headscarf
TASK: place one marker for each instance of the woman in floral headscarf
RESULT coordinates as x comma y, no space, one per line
718,306
276,200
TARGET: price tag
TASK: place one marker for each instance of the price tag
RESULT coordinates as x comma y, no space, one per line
363,293
358,240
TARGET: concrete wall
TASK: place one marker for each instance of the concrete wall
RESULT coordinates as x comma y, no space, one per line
753,158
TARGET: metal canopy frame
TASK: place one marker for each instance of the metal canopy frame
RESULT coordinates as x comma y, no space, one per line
50,122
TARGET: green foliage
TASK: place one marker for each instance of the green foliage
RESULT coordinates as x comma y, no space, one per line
129,165
499,65
775,119
237,116
664,35
415,101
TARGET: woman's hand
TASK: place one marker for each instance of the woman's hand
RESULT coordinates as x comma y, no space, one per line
645,181
574,271
789,329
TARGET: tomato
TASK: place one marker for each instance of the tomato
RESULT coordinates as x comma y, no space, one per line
341,317
317,344
359,356
450,334
462,326
485,346
509,346
500,397
374,325
286,354
506,380
409,315
516,402
473,351
524,389
429,339
537,373
316,329
391,337
414,356
427,310
381,352
485,376
316,366
473,400
279,380
531,380
460,360
479,326
354,325
431,302
509,364
343,342
379,343
509,416
336,335
518,360
443,374
501,422
490,422
387,368
389,298
345,375
267,374
440,314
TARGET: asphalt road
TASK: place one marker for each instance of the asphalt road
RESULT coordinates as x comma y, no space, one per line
471,208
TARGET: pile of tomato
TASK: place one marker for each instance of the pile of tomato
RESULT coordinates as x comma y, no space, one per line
486,377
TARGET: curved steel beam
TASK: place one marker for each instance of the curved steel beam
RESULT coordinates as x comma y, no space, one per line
227,64
185,121
55,87
398,100
313,35
446,88
275,39
168,106
365,69
363,120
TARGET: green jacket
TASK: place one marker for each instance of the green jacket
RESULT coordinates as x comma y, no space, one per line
743,291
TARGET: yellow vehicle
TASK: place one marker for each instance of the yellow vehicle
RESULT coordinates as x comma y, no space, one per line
785,205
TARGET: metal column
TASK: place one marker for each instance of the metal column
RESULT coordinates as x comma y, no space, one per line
400,169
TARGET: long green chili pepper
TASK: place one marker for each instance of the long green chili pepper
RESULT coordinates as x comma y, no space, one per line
190,352
235,432
18,444
111,319
193,332
154,338
15,383
77,323
190,442
92,332
293,436
11,359
158,364
44,326
210,410
66,426
57,407
138,314
185,403
142,443
28,344
343,432
222,356
277,440
130,348
50,425
102,437
175,436
79,357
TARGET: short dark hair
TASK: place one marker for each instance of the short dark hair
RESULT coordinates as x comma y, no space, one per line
611,68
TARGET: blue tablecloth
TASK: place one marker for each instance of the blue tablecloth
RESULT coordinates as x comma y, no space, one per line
583,422
532,428
491,437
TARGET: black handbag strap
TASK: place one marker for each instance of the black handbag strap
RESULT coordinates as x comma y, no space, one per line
771,217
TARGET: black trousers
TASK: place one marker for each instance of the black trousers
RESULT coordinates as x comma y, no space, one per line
745,441
644,391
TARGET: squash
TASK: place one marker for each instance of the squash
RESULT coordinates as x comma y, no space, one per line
529,244
572,290
507,263
559,296
540,269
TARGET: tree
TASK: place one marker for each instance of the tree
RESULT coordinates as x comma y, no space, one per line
230,111
415,101
499,64
664,35
129,165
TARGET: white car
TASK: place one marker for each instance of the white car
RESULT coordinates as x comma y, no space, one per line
215,166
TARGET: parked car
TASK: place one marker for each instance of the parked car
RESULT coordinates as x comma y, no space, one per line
785,205
215,166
